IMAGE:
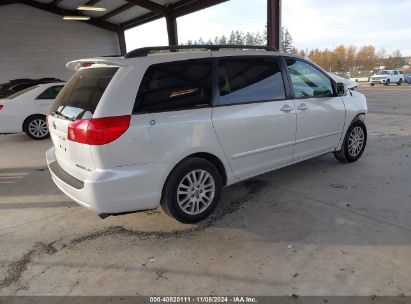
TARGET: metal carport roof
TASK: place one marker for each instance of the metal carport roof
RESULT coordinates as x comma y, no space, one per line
124,14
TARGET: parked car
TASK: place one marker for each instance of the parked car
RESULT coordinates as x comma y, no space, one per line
16,85
25,111
407,78
387,77
147,129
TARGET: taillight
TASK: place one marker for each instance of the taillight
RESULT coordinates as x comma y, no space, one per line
1,107
98,131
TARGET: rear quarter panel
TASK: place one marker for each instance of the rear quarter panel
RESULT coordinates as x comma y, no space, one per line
166,138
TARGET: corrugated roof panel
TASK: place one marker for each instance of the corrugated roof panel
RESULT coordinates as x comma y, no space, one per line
110,5
127,15
131,13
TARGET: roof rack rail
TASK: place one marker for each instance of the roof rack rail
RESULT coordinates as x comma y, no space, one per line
142,52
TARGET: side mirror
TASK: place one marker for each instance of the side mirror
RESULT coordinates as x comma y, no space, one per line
341,89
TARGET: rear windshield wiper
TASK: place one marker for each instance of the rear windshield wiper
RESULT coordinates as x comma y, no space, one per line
58,113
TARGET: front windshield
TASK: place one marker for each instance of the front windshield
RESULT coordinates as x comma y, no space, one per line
383,73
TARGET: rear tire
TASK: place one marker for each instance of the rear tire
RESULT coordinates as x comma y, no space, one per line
354,143
387,83
36,127
399,82
192,190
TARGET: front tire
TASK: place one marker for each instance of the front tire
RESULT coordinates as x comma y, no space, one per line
371,84
354,143
192,190
36,127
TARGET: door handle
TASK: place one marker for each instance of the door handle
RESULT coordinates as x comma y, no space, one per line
286,108
302,107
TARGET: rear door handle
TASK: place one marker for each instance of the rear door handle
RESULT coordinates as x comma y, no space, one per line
287,108
302,107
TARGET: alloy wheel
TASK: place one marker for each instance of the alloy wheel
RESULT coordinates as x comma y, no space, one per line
38,128
196,192
356,141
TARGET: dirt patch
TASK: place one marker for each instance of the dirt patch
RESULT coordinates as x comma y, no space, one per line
18,267
253,188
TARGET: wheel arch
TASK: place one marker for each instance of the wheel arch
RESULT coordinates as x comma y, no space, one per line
204,155
24,127
215,161
358,116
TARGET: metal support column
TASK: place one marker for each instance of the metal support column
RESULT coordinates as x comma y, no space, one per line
171,21
274,23
121,41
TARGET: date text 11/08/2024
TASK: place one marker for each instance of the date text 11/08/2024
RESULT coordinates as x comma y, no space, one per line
203,300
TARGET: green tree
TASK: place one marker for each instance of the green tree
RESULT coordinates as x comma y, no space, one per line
249,39
239,37
259,40
232,38
223,40
286,41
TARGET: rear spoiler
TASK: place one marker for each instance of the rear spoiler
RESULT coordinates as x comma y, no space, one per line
99,61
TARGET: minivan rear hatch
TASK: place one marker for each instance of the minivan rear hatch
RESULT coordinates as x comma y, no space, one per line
77,102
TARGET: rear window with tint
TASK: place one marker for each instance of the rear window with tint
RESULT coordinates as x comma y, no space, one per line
50,93
80,96
175,86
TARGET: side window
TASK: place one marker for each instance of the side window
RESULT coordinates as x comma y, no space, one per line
307,81
395,73
50,93
243,80
175,86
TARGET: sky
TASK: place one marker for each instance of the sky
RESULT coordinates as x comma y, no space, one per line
312,23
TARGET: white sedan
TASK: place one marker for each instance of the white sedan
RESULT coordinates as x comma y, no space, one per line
26,110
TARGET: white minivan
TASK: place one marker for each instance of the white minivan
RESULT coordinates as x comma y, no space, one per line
172,126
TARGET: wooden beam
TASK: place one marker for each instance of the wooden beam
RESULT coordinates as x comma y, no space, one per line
150,5
172,32
141,20
180,8
59,11
92,2
274,23
186,7
55,3
117,11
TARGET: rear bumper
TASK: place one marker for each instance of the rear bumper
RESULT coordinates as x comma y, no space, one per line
111,191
